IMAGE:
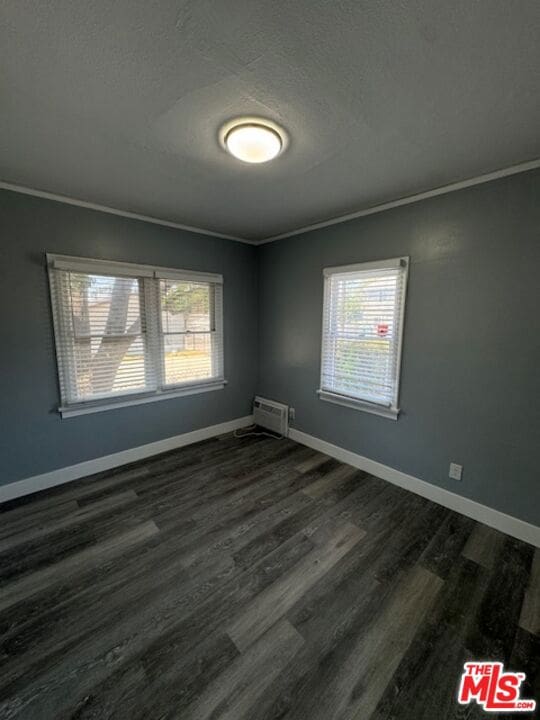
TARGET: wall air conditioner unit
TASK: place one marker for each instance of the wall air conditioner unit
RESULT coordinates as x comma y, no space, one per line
271,415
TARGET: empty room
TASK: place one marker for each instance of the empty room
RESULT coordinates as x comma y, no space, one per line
270,356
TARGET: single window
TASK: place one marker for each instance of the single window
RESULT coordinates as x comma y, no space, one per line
362,333
191,343
131,333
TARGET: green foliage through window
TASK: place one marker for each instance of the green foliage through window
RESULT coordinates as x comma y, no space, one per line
184,297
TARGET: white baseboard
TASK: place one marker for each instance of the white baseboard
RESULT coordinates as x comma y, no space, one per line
89,467
482,513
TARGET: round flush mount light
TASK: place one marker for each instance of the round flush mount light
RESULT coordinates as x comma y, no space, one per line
253,140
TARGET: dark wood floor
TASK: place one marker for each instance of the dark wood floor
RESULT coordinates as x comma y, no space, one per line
257,579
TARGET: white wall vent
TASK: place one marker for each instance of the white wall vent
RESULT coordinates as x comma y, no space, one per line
271,415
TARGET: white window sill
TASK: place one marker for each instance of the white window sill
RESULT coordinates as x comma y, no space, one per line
390,413
126,401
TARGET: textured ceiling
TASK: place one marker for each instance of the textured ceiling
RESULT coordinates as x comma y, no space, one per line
119,103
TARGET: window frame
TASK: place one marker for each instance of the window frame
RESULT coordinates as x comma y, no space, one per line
393,410
151,310
215,328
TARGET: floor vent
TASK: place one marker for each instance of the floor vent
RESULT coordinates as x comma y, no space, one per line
271,415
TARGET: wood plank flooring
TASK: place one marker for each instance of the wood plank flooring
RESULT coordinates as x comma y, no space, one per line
253,579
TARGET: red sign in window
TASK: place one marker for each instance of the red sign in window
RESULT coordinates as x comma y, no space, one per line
382,330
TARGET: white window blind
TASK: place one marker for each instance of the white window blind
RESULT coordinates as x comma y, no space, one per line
190,318
362,333
124,332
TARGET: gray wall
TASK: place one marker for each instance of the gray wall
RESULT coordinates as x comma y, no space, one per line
33,438
470,388
470,378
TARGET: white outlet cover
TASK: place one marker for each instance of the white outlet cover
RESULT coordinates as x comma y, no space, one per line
455,471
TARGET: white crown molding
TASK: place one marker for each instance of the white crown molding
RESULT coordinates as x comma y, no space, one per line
409,199
114,211
443,190
106,462
481,513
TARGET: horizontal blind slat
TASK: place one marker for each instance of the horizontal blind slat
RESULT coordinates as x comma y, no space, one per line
361,331
191,335
100,335
108,329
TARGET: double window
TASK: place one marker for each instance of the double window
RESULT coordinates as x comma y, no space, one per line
133,333
362,333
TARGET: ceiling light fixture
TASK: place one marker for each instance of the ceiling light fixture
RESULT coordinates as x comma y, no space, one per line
253,140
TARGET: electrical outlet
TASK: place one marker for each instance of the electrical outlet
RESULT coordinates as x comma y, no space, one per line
455,471
292,413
